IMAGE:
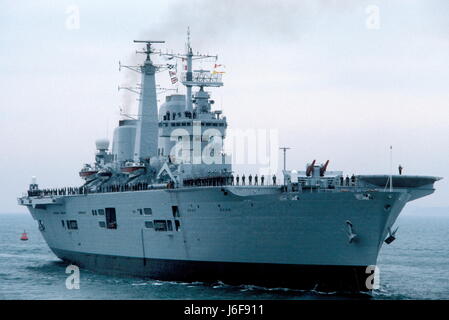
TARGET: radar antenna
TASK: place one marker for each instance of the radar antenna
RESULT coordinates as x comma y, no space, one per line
190,78
149,50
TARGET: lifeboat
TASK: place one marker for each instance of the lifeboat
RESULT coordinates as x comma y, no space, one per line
88,172
133,168
104,173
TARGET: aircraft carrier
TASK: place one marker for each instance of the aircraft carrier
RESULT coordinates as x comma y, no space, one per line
164,202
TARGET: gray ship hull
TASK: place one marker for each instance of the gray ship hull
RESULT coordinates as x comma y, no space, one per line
248,235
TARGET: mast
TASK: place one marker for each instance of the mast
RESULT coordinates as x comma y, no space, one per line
391,168
189,56
147,120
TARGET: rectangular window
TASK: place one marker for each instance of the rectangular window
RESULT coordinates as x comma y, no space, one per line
102,224
177,225
147,211
94,212
160,225
63,223
175,211
140,211
72,225
101,212
111,219
169,225
148,224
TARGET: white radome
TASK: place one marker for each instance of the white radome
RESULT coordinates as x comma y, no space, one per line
102,144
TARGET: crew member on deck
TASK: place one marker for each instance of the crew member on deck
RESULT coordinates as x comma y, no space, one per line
274,179
243,179
250,179
400,169
256,180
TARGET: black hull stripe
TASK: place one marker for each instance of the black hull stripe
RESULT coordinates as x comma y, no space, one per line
307,277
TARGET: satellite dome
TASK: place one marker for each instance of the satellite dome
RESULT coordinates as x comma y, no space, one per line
102,144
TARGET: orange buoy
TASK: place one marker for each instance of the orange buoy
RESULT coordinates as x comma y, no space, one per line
24,236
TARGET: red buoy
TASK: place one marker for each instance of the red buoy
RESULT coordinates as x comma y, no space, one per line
24,236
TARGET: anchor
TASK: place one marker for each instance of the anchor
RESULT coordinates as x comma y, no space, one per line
391,235
350,231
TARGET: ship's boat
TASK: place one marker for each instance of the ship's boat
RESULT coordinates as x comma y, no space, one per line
133,169
88,172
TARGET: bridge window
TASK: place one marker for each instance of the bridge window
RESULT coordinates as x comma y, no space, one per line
101,212
102,224
147,211
63,223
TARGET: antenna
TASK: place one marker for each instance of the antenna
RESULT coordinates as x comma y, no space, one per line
391,168
149,50
285,158
188,38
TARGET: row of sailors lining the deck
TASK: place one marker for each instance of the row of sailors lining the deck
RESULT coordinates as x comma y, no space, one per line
186,114
124,187
229,180
58,191
214,181
250,180
174,115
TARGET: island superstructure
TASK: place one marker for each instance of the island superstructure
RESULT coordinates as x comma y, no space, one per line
164,203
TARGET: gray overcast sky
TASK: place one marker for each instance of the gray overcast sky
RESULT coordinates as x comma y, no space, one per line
333,86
